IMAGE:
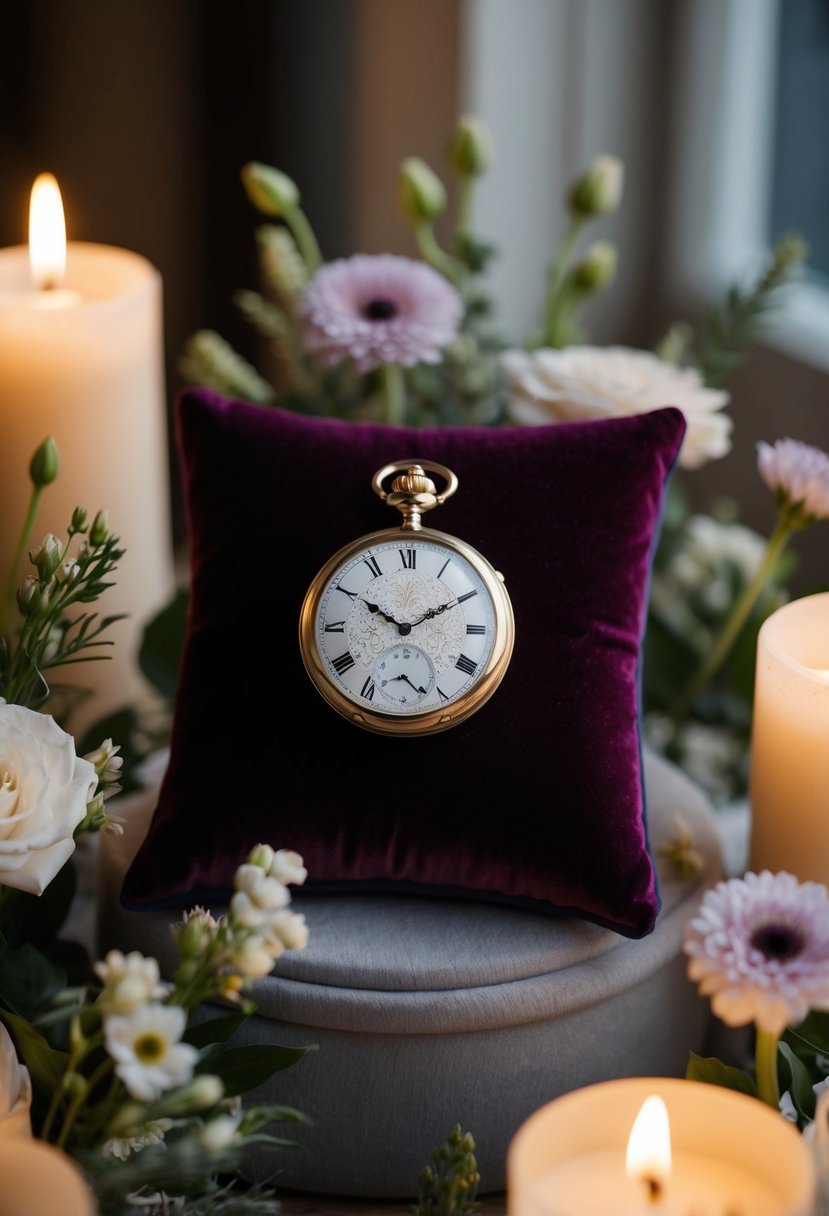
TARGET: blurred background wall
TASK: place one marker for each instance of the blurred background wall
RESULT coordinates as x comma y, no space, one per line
146,110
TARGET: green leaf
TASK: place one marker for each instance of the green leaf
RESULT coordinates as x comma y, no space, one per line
798,1081
159,655
714,1072
38,918
28,981
812,1033
216,1030
243,1068
46,1065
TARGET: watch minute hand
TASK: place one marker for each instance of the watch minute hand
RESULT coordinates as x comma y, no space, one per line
433,612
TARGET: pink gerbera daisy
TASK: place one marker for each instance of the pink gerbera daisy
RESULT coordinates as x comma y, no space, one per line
759,947
799,475
379,309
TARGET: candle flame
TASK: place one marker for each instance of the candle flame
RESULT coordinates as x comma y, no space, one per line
47,233
649,1147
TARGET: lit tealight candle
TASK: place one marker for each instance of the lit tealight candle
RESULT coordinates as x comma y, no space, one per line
658,1147
648,1157
789,780
81,359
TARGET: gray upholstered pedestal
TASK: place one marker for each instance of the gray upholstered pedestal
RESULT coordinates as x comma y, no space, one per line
427,1013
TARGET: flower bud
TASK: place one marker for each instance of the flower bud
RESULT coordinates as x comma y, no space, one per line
29,596
79,520
599,190
73,1084
219,1133
421,193
470,152
199,1094
45,463
271,191
596,269
195,933
262,855
99,531
46,557
67,571
127,1118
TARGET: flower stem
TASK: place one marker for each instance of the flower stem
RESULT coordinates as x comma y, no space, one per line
555,297
719,652
466,195
395,393
436,257
765,1068
306,242
25,533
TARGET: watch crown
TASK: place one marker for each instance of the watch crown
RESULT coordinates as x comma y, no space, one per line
413,481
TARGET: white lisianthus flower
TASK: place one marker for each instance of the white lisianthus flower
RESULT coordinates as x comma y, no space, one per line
263,891
286,929
130,981
15,1090
145,1045
615,381
44,791
254,956
288,868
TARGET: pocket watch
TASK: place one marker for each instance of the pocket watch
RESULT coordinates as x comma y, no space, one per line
407,631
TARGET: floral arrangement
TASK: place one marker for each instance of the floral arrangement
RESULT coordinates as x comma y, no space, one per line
135,1078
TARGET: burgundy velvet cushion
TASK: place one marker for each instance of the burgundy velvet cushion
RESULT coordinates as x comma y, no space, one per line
536,800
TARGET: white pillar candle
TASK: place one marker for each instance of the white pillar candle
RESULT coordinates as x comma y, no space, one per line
789,777
730,1155
82,361
40,1180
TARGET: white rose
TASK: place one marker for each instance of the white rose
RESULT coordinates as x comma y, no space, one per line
44,789
15,1090
614,381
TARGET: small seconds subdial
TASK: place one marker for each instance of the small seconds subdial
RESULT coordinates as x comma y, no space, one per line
404,675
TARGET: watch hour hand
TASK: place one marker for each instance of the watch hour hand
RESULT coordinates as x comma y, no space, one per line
408,681
403,626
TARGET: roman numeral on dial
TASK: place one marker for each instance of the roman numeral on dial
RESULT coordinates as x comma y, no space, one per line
339,627
409,558
466,665
343,662
474,629
371,562
367,690
468,596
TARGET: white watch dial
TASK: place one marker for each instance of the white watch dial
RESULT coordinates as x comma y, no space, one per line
415,604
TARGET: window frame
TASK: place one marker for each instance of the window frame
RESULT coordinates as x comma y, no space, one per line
720,191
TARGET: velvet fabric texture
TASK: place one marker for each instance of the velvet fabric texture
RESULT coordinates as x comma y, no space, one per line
537,800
